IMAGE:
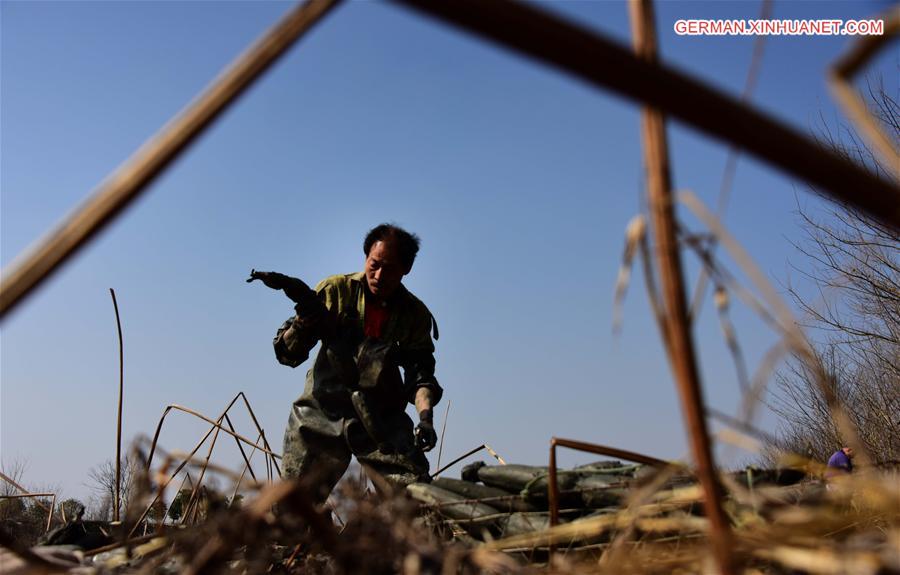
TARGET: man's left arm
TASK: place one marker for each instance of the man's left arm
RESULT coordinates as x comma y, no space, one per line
426,436
417,360
423,399
422,386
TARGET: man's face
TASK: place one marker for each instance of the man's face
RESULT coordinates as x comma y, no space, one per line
384,271
848,451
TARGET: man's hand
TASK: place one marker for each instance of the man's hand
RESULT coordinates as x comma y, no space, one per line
273,280
426,437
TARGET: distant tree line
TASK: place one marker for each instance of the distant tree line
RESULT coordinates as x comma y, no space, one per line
25,518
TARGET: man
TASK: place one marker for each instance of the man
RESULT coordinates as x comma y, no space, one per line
840,462
354,401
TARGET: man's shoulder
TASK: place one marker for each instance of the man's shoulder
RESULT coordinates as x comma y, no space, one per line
339,281
416,305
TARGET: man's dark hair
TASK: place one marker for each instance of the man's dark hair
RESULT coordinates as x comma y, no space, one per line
407,243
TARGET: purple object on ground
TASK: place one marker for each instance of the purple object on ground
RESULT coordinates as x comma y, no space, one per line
840,460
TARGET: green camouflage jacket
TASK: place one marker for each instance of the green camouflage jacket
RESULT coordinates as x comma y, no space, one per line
349,360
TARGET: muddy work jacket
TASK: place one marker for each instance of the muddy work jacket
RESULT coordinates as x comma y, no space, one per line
349,361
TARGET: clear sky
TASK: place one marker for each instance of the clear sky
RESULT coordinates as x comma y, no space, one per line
520,181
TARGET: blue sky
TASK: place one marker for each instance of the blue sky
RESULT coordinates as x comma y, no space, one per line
520,181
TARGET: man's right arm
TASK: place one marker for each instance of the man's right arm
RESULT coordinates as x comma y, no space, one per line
299,334
293,342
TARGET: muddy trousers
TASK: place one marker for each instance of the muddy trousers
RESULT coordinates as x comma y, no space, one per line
316,449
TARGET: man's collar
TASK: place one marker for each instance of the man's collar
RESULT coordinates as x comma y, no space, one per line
360,277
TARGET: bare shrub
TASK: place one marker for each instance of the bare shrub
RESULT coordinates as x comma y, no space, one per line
103,483
854,262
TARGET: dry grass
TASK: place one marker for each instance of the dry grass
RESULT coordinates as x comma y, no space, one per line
850,526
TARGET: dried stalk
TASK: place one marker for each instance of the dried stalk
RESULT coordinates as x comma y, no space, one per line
185,459
118,544
443,431
653,296
163,486
458,459
553,486
495,516
636,243
741,425
217,424
487,500
587,55
765,12
730,334
774,319
118,495
272,458
194,502
24,491
216,427
735,438
841,78
220,469
635,232
593,526
243,453
760,381
777,321
635,500
52,497
237,485
494,454
682,356
161,489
